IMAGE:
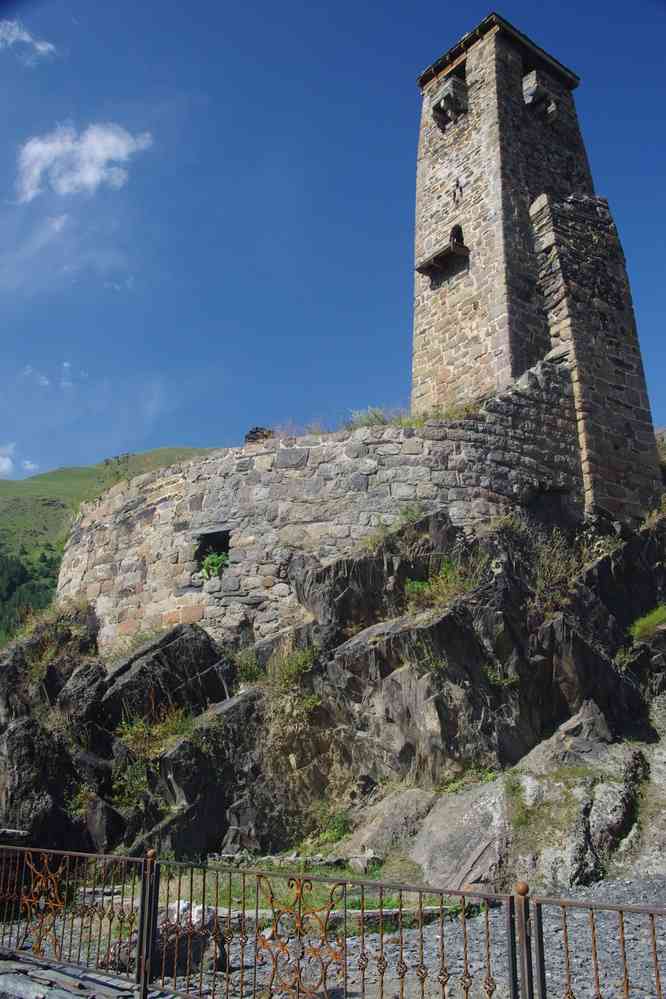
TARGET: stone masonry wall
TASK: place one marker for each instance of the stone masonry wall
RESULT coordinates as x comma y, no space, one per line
460,319
478,324
132,553
587,299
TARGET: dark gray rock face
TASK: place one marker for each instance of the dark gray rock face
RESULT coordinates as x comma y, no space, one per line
413,699
182,668
34,771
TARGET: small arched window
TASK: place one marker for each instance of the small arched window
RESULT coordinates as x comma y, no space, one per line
456,238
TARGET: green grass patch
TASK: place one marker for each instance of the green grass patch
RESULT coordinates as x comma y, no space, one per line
646,627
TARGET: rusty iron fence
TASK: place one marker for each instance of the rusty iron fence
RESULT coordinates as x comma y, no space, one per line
236,933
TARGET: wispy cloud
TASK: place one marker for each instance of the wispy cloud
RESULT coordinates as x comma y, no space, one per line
7,452
71,163
13,33
65,377
18,260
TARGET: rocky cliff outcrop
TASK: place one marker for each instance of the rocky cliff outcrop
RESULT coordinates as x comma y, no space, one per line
478,730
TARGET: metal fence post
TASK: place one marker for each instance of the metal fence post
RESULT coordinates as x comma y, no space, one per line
511,946
523,926
146,923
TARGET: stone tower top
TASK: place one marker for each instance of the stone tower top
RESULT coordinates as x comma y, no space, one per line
533,53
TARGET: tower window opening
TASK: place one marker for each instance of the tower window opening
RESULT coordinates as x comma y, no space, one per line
456,238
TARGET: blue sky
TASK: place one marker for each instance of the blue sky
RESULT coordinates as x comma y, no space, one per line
206,216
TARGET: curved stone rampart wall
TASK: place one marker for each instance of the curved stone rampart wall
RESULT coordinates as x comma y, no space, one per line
132,552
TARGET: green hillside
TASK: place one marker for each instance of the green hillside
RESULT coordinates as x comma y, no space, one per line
35,516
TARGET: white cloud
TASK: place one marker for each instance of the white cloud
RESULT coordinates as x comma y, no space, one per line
6,460
125,285
29,466
71,163
34,375
13,33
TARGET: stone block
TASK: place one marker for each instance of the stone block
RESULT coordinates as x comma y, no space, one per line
293,457
190,615
172,617
403,490
358,482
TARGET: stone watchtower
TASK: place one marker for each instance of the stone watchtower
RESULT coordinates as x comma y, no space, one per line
516,256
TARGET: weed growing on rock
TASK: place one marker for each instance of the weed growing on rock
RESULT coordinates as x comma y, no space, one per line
249,669
130,784
126,646
65,612
519,812
556,565
394,535
78,802
656,515
208,738
471,777
148,740
456,575
498,679
646,627
551,560
286,669
623,658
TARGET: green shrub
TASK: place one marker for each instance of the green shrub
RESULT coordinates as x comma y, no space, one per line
647,626
214,564
337,828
